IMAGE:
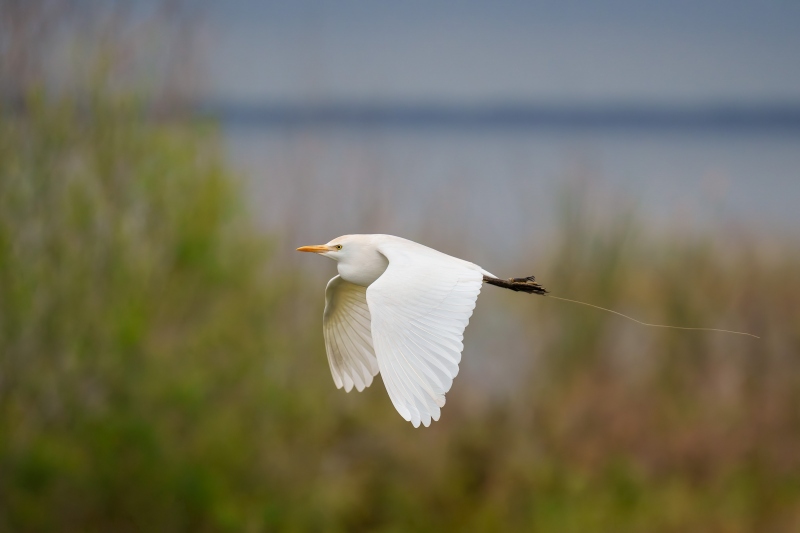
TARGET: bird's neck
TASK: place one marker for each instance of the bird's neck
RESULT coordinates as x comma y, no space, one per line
364,269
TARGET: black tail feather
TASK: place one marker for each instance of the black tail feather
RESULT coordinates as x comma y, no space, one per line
527,285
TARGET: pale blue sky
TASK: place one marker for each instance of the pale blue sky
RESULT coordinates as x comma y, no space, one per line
701,51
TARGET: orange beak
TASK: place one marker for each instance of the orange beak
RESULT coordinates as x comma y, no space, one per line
317,249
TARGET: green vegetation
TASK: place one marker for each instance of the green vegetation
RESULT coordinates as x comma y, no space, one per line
134,320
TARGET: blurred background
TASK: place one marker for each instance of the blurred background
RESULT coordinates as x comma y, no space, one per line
161,357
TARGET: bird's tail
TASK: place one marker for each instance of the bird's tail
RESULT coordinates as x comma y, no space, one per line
528,284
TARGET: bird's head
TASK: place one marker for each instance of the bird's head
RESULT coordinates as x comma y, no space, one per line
339,249
357,256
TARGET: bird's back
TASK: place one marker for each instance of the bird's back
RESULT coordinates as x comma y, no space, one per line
410,249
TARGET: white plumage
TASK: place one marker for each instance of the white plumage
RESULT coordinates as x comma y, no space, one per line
398,308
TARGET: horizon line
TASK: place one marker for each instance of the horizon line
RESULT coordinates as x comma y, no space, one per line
720,117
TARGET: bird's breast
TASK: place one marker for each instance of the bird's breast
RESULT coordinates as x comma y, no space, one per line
364,271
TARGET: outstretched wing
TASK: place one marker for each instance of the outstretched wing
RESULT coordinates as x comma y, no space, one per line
348,341
420,306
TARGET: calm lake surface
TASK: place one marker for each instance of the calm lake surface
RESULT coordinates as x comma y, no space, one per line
502,186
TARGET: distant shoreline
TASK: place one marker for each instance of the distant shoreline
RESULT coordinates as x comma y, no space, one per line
775,119
720,119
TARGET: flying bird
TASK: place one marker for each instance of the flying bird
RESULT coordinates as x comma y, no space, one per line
400,308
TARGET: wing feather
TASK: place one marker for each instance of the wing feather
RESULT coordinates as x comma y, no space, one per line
420,307
346,324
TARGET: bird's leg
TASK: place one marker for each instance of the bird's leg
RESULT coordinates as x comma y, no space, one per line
527,284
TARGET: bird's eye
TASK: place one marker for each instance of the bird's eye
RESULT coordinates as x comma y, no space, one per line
338,246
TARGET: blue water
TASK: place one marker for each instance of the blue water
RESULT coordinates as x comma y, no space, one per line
502,186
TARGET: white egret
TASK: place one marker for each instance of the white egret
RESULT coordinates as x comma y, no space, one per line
400,308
